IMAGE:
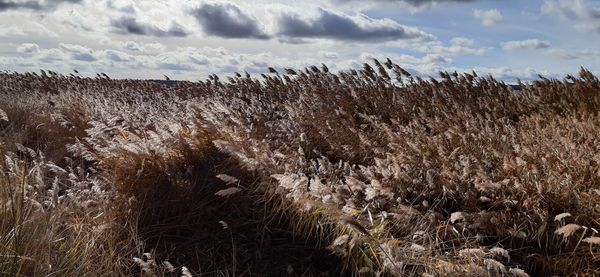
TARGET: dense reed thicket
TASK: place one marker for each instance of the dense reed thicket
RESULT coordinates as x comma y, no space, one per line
373,171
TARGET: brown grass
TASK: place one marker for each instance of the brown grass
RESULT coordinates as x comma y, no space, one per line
391,173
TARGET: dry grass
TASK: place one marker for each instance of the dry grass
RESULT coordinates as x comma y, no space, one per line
391,173
46,232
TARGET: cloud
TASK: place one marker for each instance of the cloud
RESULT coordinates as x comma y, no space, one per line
587,18
361,28
328,54
512,74
528,44
228,21
417,4
426,3
192,63
132,46
130,25
117,56
120,6
28,48
37,5
172,63
566,54
459,50
10,31
13,5
78,52
488,17
436,59
188,63
462,41
459,46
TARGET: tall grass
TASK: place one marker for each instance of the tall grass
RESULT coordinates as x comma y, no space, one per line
374,170
44,236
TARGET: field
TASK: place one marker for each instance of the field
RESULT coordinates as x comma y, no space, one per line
300,172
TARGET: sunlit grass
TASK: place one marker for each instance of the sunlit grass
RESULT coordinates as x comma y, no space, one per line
385,171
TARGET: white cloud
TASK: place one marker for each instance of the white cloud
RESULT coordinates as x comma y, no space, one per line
436,59
454,50
328,54
328,31
10,31
142,47
12,27
154,47
28,48
117,56
528,44
462,41
184,62
488,17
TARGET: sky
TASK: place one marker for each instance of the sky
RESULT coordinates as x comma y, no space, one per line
189,40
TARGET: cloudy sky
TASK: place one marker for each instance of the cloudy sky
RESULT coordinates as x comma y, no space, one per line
187,39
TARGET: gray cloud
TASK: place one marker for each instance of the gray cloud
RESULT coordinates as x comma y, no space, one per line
227,20
342,27
117,56
130,25
78,52
587,18
572,54
10,5
175,66
413,3
132,46
6,5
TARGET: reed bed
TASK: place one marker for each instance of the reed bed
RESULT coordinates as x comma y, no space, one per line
374,171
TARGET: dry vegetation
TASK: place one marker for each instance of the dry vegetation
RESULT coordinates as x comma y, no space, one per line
363,172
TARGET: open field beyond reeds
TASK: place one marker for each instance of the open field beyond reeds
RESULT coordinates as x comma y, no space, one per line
303,173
